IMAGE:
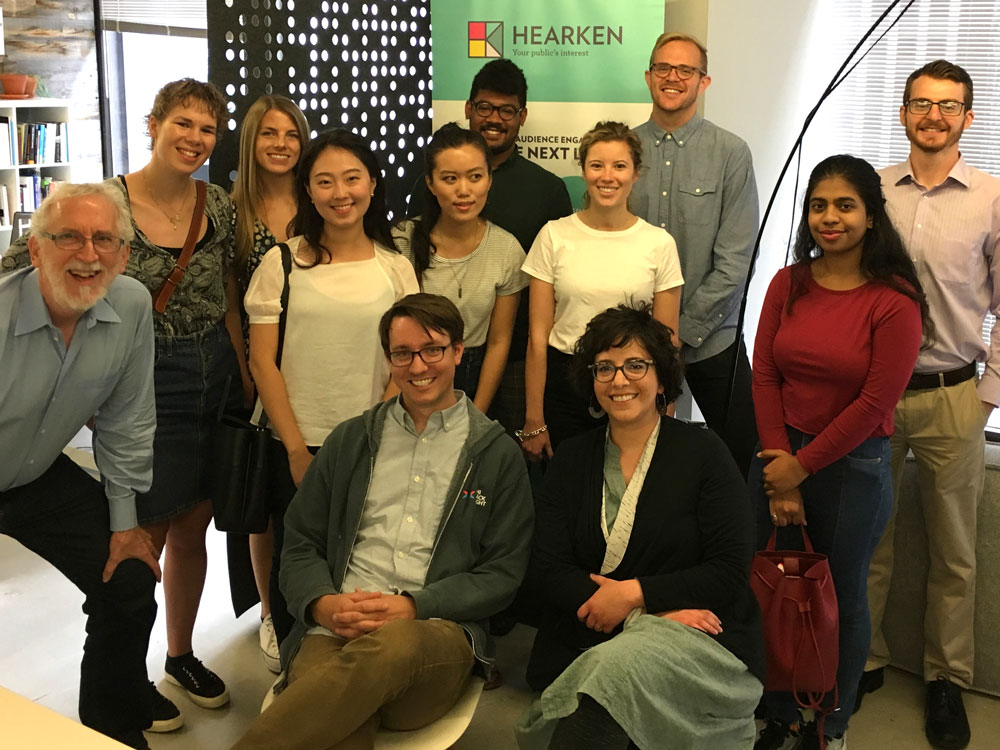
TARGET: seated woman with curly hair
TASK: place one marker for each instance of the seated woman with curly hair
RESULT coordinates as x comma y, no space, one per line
643,542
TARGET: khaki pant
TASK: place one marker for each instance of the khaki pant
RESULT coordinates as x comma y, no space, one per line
404,675
944,429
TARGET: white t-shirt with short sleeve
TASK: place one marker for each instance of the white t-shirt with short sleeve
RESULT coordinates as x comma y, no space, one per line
332,361
591,270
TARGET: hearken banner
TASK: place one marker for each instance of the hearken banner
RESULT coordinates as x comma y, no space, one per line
584,61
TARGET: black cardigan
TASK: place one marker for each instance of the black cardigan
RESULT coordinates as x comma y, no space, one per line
691,544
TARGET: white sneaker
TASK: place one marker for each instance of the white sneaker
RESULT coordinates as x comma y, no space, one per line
269,645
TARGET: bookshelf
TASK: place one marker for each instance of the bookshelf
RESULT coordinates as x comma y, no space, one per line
32,113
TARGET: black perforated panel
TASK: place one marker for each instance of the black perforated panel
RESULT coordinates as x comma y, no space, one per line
360,65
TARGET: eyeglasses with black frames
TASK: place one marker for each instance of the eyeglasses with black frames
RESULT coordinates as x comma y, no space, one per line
429,354
947,107
506,111
633,369
103,242
662,70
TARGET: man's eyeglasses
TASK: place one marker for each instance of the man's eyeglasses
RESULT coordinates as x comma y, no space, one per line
506,111
947,107
429,354
103,242
662,70
633,369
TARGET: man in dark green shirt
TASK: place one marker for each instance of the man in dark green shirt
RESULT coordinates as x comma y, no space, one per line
523,197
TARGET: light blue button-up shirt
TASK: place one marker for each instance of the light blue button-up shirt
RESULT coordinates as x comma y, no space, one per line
48,391
406,499
697,182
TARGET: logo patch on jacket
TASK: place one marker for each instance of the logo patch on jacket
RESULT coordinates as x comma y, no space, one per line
476,496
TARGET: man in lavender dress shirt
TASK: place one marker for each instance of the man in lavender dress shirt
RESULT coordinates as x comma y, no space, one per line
948,214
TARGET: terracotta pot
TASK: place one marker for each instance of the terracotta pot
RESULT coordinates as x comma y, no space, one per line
17,83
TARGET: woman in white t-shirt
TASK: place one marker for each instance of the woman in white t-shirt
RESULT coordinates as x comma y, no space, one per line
580,266
346,272
464,257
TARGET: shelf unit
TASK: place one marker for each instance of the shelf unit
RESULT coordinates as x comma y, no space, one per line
19,111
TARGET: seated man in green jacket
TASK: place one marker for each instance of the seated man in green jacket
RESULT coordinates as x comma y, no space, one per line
411,527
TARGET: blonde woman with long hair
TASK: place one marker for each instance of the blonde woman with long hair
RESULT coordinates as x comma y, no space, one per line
272,137
273,134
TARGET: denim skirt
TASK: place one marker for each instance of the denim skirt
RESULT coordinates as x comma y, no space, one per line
190,380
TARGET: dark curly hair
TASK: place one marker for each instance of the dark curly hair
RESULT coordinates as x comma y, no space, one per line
617,327
501,77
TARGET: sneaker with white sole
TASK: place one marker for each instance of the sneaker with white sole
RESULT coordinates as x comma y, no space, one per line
166,716
203,686
269,645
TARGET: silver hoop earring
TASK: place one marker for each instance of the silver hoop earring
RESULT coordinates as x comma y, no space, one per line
593,408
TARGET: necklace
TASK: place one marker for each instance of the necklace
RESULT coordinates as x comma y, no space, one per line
450,263
176,218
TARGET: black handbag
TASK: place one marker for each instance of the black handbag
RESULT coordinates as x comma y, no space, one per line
240,479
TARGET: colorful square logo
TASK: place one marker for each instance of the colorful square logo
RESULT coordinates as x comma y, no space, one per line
485,38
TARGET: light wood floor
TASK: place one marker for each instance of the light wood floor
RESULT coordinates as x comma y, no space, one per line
42,630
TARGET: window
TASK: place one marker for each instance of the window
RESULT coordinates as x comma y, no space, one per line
138,36
868,102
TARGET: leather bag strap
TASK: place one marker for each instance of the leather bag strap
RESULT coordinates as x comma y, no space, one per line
173,279
286,267
772,540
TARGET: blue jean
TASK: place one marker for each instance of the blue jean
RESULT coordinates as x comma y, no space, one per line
467,371
847,505
190,377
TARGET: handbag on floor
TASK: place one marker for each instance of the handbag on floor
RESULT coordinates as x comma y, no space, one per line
239,482
801,622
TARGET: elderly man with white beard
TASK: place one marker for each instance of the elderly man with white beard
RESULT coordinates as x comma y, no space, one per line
76,346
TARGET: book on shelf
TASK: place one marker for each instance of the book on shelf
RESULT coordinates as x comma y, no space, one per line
41,143
26,192
4,206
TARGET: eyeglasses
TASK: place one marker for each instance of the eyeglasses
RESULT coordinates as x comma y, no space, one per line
662,70
103,242
429,354
506,111
633,369
947,107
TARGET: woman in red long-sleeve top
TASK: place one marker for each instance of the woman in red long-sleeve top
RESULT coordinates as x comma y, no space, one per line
838,336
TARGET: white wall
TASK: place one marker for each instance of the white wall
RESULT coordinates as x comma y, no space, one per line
770,60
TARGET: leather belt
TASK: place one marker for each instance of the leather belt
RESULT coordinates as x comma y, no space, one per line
922,381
